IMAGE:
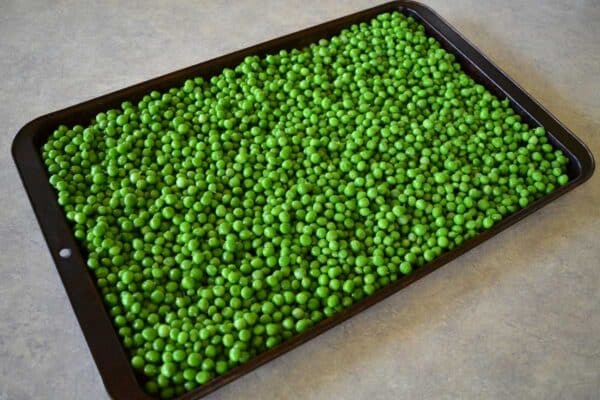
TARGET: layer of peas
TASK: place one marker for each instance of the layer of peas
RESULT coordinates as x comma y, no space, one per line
227,215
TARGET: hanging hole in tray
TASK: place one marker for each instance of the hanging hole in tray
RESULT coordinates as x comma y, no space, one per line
65,253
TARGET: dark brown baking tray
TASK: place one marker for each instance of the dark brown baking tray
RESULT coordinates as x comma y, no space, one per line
102,339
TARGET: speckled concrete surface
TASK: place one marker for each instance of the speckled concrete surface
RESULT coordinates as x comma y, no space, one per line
519,317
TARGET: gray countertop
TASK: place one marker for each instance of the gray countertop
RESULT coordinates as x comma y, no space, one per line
518,317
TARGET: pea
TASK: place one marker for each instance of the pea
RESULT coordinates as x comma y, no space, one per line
228,214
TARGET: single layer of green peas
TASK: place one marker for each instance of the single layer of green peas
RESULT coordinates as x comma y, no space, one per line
227,215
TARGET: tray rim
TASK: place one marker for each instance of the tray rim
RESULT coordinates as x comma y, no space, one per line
102,338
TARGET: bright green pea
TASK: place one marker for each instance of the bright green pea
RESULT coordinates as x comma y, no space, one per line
223,216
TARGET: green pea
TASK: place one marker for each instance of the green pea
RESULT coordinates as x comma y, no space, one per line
202,377
194,360
223,216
